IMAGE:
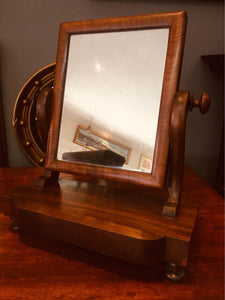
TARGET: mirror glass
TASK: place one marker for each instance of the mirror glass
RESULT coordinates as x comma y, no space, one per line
112,98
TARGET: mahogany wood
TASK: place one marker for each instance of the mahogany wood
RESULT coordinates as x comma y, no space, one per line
203,103
18,177
176,22
176,153
43,269
111,219
125,225
47,178
181,104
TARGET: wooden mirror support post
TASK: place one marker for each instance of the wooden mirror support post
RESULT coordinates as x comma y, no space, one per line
124,213
183,102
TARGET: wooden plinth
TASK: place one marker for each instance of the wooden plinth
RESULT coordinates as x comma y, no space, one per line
125,225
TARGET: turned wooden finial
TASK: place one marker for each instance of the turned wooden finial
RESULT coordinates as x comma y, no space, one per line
203,103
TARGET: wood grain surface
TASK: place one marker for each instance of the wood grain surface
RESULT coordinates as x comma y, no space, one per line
37,268
128,225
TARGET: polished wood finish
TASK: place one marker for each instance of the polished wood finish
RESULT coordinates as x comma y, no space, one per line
11,178
100,214
47,178
103,219
32,267
176,22
120,224
176,153
182,103
203,103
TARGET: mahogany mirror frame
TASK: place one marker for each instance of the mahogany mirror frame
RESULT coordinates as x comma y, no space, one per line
176,22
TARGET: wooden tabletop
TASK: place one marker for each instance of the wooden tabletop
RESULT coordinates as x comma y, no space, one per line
34,268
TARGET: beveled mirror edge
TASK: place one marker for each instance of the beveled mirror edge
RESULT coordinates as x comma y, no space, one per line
177,24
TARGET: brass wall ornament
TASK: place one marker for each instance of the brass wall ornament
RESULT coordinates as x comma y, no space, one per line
31,114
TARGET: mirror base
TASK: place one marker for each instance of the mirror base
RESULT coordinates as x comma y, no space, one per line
47,178
108,221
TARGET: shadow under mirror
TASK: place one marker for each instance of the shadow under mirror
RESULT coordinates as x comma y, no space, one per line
112,98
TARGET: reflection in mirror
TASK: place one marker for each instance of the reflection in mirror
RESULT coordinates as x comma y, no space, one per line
112,98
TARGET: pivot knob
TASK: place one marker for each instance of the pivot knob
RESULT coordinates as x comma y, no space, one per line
203,103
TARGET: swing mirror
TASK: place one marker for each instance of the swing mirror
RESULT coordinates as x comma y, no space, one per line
113,92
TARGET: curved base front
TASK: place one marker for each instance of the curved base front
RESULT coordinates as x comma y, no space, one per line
119,224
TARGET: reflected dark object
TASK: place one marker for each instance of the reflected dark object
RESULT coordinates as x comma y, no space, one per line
92,140
99,157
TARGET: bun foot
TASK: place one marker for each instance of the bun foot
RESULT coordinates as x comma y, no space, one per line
14,227
174,273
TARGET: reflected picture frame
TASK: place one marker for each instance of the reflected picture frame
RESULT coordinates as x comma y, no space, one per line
145,163
93,140
176,23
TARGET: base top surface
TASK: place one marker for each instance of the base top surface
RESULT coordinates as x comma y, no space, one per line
126,213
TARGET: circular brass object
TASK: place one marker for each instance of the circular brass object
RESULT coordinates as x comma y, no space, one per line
25,117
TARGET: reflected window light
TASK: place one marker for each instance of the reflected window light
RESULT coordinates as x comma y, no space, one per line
98,67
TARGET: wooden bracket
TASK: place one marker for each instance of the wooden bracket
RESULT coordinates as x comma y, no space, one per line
176,153
47,178
182,103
